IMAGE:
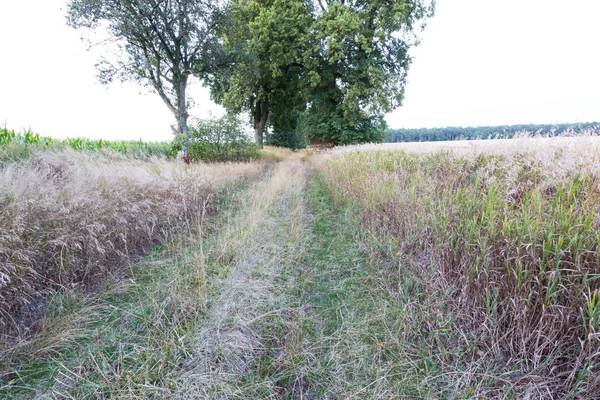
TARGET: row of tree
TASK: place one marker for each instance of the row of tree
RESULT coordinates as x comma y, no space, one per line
318,70
487,132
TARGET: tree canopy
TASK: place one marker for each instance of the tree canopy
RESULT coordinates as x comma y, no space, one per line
327,70
161,44
265,42
311,70
361,57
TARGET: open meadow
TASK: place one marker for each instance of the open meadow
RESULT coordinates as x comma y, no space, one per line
416,270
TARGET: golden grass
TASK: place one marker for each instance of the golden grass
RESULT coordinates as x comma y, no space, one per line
504,233
256,243
273,153
491,146
68,220
475,273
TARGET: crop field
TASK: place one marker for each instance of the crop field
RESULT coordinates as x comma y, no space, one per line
413,270
501,238
71,219
17,145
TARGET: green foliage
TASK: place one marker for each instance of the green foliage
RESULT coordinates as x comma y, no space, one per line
285,131
15,146
265,43
161,43
324,122
218,140
325,71
361,59
262,63
26,137
486,132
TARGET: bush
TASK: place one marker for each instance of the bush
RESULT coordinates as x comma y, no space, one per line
285,131
218,140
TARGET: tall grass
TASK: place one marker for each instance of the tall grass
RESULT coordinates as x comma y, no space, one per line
17,145
189,321
507,239
70,219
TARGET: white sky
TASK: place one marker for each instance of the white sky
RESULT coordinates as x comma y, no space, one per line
481,62
502,62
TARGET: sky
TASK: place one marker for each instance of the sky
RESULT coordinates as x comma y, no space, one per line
480,62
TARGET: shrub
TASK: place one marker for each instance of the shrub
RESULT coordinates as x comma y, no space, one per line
291,138
285,132
218,140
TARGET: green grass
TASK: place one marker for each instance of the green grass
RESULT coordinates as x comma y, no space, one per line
354,329
131,339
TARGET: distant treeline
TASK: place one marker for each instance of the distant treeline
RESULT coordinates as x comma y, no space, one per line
486,132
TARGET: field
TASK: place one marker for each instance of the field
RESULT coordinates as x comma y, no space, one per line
71,219
498,241
413,270
17,145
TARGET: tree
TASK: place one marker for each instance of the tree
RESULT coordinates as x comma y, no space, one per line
266,41
161,42
327,70
361,57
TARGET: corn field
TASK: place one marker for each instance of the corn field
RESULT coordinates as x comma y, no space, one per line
507,236
13,141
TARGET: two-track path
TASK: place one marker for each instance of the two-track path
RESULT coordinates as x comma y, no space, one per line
263,237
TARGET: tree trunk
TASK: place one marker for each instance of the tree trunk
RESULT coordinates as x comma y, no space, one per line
261,116
182,116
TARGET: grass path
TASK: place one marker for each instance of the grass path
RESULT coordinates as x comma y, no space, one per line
309,311
302,311
264,237
340,336
280,300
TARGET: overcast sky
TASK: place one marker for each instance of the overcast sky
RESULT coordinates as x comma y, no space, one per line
481,62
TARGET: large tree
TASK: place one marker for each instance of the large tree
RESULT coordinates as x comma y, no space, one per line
161,43
361,57
327,69
266,41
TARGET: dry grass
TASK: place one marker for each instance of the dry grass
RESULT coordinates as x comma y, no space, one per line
524,142
68,220
474,273
128,341
503,237
273,153
256,243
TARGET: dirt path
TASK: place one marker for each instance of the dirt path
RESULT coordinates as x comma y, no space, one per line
264,236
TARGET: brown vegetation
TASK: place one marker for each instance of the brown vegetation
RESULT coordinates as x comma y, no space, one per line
69,220
503,234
